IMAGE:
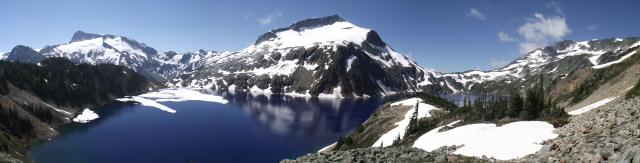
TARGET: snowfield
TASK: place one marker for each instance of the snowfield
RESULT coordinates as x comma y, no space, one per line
614,62
510,141
423,112
336,32
86,116
592,106
152,99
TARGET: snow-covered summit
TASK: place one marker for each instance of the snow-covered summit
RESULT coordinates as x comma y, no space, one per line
308,32
313,57
95,48
119,50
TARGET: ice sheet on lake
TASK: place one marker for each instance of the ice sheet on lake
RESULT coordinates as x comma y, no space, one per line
152,99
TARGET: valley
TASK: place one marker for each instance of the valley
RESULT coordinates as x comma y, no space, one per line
320,82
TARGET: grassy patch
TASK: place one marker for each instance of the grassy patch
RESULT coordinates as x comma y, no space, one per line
635,91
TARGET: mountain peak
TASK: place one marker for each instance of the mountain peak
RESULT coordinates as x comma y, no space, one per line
301,25
24,54
314,22
81,35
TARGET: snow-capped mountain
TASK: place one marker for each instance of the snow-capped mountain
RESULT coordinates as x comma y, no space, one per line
98,48
557,60
326,56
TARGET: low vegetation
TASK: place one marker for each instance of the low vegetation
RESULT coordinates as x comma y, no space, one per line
531,105
635,91
495,109
64,83
600,77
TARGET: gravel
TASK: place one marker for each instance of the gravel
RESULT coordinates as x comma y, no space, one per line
606,134
388,154
8,159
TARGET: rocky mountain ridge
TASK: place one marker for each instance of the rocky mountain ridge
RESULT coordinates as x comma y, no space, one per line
331,57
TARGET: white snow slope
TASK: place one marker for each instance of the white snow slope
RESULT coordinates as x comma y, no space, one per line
423,112
506,142
592,106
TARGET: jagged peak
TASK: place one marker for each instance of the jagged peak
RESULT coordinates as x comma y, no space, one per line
82,36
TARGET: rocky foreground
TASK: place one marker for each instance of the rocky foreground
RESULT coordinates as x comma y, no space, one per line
388,154
607,134
8,159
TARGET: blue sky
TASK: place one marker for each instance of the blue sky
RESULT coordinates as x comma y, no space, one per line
445,35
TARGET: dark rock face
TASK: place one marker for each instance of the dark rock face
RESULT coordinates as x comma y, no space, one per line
374,38
81,36
24,54
343,70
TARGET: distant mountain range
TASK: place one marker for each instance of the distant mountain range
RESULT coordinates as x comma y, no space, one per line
329,56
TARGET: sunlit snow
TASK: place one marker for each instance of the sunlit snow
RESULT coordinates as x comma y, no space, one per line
423,112
614,62
86,116
592,106
152,99
510,141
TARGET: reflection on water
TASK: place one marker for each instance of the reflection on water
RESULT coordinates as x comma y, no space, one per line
288,115
250,128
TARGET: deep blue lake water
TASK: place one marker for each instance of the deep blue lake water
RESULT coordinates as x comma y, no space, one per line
247,129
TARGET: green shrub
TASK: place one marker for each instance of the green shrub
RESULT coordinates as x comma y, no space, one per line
635,91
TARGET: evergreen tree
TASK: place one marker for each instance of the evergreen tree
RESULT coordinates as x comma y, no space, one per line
413,122
515,105
534,101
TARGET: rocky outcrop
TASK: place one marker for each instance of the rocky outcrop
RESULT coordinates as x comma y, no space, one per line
607,134
24,54
8,159
443,154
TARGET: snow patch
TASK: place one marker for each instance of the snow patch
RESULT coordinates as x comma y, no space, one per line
613,62
592,106
423,112
86,116
510,141
327,147
349,61
152,99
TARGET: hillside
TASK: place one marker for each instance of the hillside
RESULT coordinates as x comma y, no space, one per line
34,99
